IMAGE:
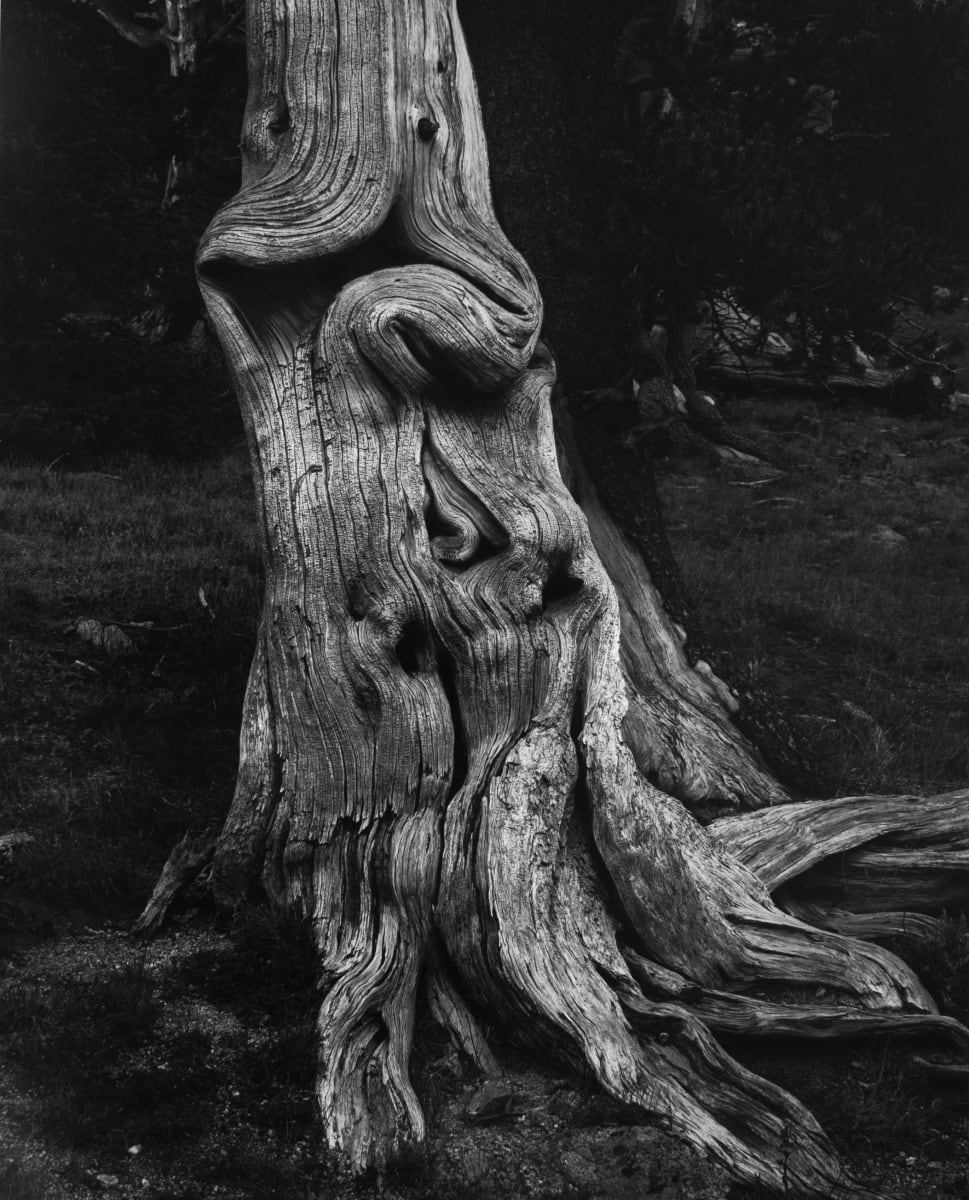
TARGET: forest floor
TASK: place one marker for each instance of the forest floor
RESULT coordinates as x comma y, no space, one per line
183,1070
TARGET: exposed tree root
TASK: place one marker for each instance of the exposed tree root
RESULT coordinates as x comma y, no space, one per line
452,1013
895,927
728,1012
542,948
864,854
184,865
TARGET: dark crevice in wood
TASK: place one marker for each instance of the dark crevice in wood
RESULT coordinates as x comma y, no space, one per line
577,720
412,648
437,527
417,347
299,291
281,121
461,529
357,605
560,587
394,234
448,674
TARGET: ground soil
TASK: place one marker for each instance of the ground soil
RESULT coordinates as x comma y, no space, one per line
183,1069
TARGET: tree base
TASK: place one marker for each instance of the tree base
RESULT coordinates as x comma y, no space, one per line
466,752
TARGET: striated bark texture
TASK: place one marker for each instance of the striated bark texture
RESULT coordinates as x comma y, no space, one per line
465,752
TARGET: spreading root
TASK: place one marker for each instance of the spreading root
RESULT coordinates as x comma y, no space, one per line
571,901
533,905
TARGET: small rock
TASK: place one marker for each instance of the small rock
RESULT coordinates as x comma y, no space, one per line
133,1150
578,1169
109,638
9,841
107,1181
888,538
493,1101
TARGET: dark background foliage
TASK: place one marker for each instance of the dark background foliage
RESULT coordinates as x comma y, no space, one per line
729,191
807,165
86,249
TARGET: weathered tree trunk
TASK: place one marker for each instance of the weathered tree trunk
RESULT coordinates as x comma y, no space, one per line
453,709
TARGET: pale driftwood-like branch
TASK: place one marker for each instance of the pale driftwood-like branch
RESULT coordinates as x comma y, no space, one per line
182,31
185,20
952,1073
760,375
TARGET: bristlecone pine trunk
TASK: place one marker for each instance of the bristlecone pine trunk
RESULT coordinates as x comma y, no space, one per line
472,739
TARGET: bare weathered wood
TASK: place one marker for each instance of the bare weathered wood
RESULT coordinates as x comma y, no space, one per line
140,35
893,927
757,374
452,710
185,863
453,1013
750,1016
181,30
865,854
740,352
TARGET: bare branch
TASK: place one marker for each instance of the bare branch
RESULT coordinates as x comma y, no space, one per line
139,35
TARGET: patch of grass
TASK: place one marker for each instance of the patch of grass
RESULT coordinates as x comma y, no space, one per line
942,963
873,1105
70,1040
160,1050
106,760
865,635
21,1180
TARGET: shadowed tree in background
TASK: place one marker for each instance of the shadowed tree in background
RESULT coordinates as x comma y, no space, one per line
782,160
475,753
